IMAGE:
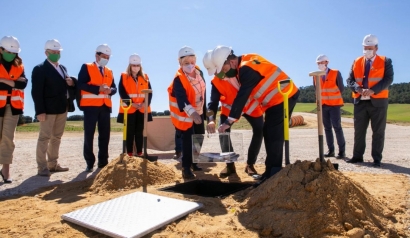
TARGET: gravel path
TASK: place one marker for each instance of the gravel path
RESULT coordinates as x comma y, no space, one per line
303,146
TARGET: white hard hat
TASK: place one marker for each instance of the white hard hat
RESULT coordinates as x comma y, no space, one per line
209,65
11,44
53,45
219,56
135,59
321,58
185,51
370,40
104,48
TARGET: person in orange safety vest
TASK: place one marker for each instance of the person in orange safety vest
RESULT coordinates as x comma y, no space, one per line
331,85
132,82
369,79
187,105
224,90
96,85
259,81
12,83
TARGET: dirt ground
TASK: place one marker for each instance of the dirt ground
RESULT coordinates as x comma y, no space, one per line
306,199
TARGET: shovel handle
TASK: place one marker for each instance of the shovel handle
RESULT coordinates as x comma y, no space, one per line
124,104
288,81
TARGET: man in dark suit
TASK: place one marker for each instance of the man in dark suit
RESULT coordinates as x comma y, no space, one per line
53,92
369,79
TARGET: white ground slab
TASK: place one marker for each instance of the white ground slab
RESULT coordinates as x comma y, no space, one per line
132,215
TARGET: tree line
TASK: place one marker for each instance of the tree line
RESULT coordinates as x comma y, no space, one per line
399,93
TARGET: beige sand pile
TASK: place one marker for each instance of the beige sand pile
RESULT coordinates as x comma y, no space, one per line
312,199
134,172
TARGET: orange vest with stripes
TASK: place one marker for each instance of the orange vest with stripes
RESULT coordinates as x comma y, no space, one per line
134,91
17,95
90,99
228,93
266,92
179,119
331,95
375,75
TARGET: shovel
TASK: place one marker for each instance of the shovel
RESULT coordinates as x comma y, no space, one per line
317,75
125,105
146,156
286,115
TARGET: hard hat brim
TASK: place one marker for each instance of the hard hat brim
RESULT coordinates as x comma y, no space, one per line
211,71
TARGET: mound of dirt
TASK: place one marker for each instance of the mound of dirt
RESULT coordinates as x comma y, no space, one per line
134,172
312,199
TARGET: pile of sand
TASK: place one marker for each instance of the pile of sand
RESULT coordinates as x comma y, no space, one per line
312,199
134,172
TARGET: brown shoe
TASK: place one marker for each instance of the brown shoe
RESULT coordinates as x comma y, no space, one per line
58,168
228,170
45,172
250,170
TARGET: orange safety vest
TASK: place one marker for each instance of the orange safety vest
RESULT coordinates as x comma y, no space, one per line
134,91
17,95
331,95
90,99
375,75
266,92
228,93
181,120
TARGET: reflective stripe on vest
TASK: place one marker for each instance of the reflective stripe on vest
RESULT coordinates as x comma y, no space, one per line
136,95
228,106
266,91
17,95
96,79
376,74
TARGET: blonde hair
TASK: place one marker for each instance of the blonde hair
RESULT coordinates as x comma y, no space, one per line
140,73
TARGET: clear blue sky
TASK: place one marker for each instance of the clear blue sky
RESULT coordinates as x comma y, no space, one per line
288,33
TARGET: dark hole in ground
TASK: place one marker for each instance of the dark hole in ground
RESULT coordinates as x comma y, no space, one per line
207,188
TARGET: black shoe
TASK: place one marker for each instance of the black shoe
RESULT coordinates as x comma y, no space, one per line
195,167
89,169
377,164
187,173
341,155
4,179
354,160
102,166
329,154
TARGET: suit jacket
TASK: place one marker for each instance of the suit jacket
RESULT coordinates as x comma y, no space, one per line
49,90
381,85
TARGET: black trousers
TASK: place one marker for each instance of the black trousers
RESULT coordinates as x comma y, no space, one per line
273,133
332,118
364,112
101,117
257,136
135,128
187,142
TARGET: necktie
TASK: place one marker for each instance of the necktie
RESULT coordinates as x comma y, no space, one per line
366,74
101,71
323,78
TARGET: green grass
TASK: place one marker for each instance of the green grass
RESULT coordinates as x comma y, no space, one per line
396,113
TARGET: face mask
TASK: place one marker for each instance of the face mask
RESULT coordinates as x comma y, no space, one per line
103,62
231,73
135,70
188,68
368,54
53,57
221,75
321,67
8,56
